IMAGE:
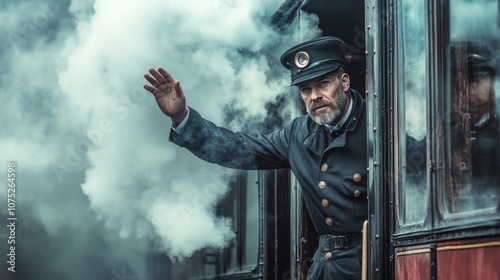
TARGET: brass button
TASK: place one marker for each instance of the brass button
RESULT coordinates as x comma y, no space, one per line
325,203
322,184
329,221
356,177
357,193
328,255
324,167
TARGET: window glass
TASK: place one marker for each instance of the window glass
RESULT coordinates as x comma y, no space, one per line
411,112
242,206
233,211
250,254
472,136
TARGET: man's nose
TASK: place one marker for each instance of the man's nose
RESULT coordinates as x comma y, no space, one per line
316,94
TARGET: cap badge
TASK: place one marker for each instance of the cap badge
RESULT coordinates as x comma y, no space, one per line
302,59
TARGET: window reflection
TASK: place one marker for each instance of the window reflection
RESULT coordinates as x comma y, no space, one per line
411,99
473,132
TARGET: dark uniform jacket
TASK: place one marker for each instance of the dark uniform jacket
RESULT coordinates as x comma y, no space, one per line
331,169
485,153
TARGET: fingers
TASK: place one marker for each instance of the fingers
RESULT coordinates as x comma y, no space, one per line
161,81
178,88
165,75
152,80
158,77
161,76
155,78
150,88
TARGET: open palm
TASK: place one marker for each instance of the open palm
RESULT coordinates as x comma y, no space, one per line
168,94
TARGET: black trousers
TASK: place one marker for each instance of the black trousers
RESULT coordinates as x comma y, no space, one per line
336,264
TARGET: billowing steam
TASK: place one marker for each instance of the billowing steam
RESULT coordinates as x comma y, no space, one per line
98,185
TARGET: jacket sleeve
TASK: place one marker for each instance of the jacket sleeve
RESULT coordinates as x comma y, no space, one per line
233,149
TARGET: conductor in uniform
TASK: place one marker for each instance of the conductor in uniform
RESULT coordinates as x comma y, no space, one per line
325,149
480,66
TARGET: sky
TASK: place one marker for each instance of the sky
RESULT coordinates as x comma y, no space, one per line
99,189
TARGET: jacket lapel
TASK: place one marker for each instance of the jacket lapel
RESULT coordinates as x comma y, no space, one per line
317,141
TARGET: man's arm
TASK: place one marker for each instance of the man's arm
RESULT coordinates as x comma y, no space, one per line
233,149
209,142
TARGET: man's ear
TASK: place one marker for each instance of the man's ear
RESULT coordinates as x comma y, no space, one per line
346,82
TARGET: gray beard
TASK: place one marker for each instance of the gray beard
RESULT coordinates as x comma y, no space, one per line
334,115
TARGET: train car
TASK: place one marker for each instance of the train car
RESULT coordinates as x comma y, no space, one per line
431,75
428,70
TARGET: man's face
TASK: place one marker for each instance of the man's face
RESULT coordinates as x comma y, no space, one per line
325,97
481,94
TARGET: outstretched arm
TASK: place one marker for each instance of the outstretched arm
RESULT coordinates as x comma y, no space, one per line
209,142
168,94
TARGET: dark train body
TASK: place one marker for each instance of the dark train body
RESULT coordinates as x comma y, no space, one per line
431,216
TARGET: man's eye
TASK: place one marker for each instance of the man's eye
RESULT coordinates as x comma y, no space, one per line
305,90
323,84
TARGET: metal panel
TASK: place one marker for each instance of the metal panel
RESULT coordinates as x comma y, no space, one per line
468,260
377,95
413,263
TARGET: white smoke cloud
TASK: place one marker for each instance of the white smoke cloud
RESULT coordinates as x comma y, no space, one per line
107,65
95,166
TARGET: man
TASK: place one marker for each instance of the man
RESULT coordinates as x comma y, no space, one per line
326,149
485,127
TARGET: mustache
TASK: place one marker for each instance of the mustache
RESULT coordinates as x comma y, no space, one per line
319,103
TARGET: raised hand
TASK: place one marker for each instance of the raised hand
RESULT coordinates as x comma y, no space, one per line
168,94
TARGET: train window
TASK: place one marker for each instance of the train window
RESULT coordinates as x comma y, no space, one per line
242,206
410,84
250,256
472,134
